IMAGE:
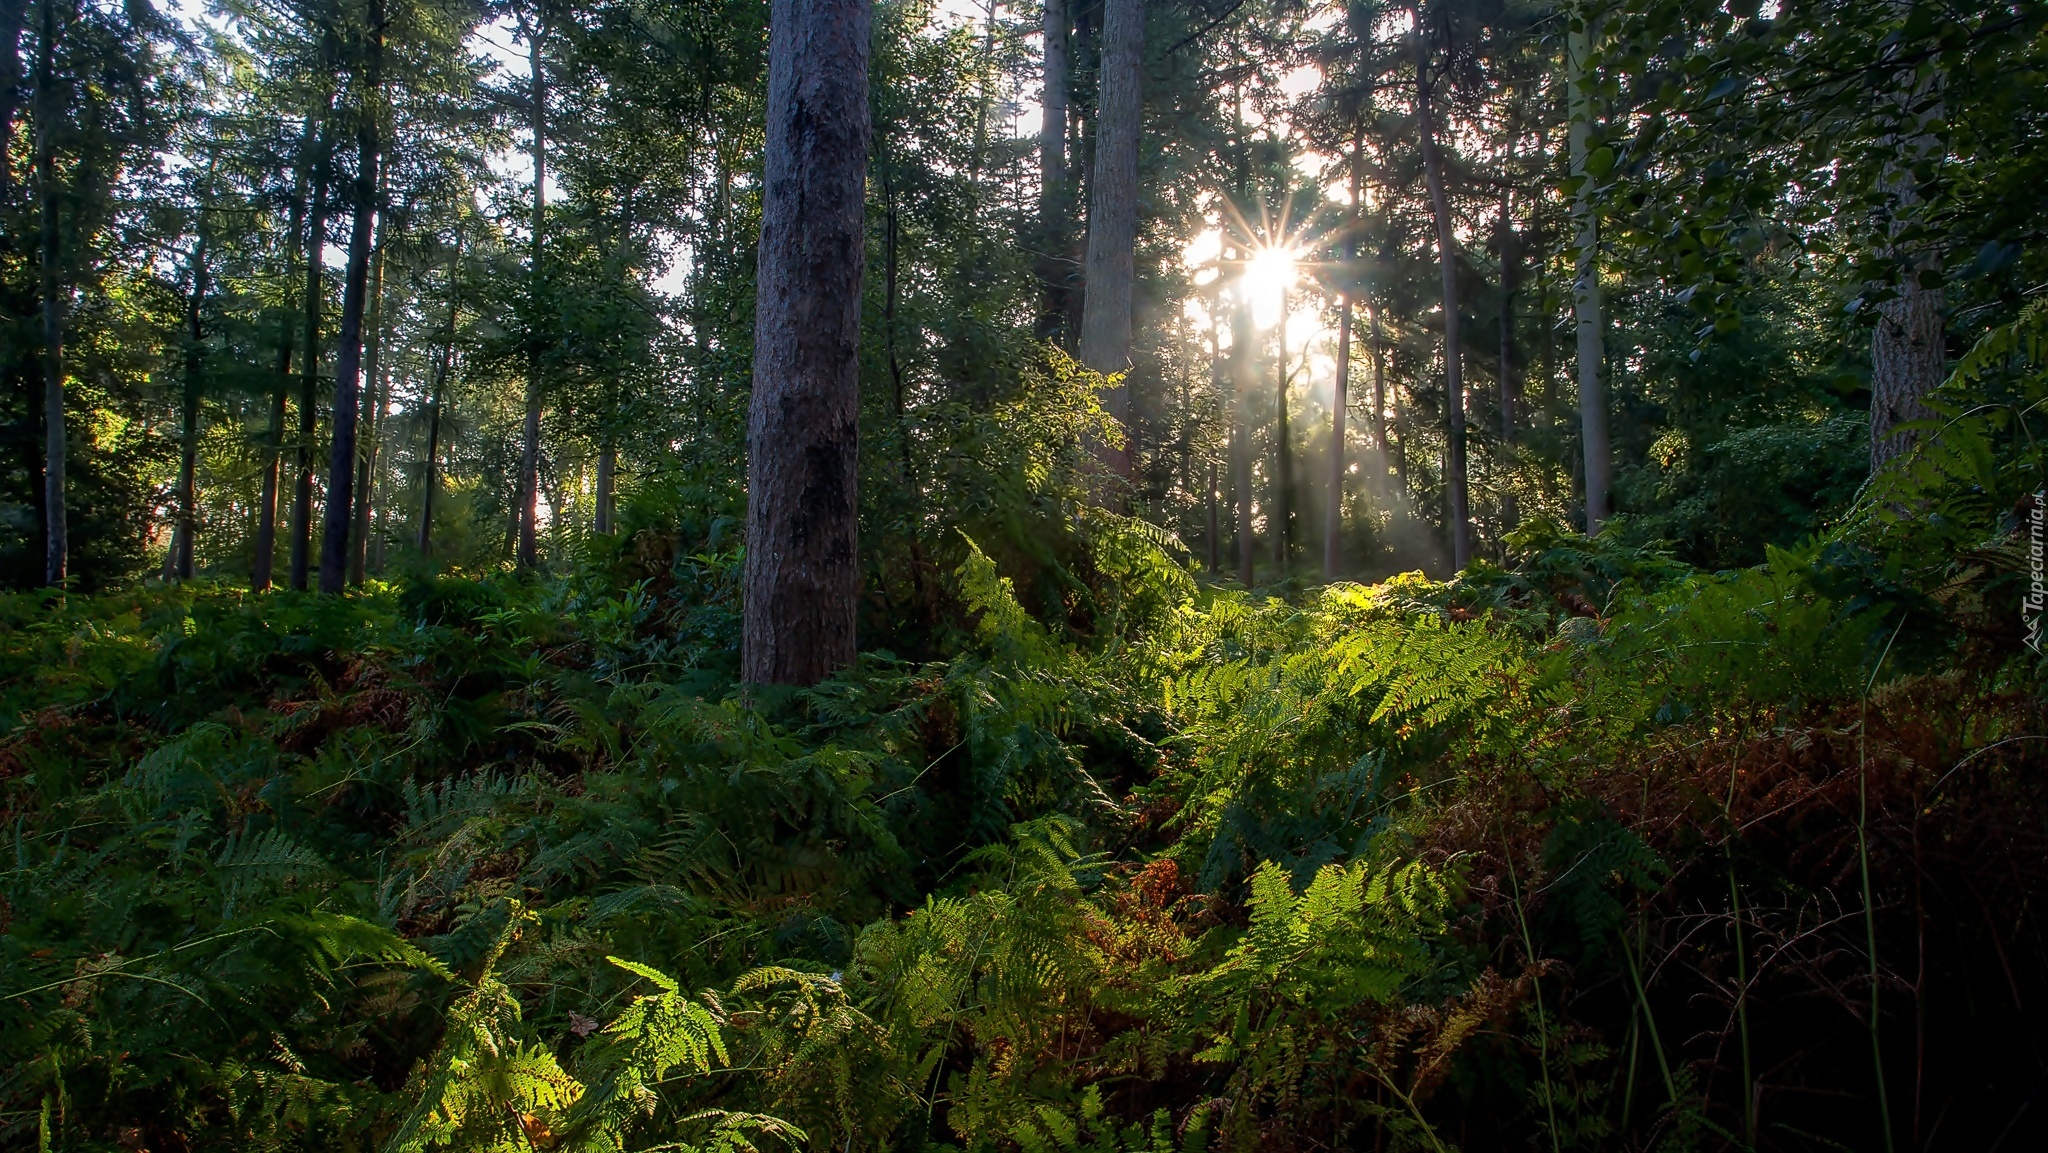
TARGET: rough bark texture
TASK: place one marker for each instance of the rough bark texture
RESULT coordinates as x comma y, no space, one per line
1377,349
1447,262
57,540
431,477
309,367
1586,304
373,413
1283,455
179,562
1242,364
348,359
1510,377
1052,170
1113,215
802,568
607,465
261,570
1908,353
529,438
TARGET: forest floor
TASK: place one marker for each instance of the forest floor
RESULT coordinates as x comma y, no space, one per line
1597,852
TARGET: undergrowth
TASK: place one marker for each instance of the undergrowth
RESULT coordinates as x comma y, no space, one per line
1592,852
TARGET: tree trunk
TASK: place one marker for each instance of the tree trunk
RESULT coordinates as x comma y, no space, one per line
1379,389
529,439
348,360
607,465
802,562
373,415
180,560
1586,305
57,543
309,368
1908,354
265,560
1052,170
1242,366
430,479
1283,457
1510,379
1447,259
1340,395
1113,216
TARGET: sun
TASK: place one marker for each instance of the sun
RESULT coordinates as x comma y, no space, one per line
1267,276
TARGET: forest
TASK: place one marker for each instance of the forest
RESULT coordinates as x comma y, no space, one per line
1029,576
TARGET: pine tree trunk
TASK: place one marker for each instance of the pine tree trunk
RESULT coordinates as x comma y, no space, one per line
802,564
528,553
373,414
1111,267
1052,170
1283,454
309,367
1340,398
1908,353
1377,350
1510,379
264,562
1447,260
57,542
1243,362
430,479
1586,303
607,464
182,538
348,360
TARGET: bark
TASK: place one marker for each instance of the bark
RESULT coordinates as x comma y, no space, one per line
1242,364
1376,347
348,360
1510,380
430,478
1214,524
607,465
57,543
1052,171
1586,303
1340,398
309,359
179,563
1283,454
802,564
1908,354
1113,217
1447,261
266,510
373,414
529,439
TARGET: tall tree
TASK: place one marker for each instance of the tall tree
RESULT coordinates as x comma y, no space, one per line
178,563
802,579
309,358
1429,26
348,360
1111,268
267,502
57,539
1052,168
1907,354
529,437
1586,304
1340,396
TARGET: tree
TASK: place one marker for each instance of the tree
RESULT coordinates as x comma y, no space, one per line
802,577
348,368
1586,302
1113,215
1431,37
